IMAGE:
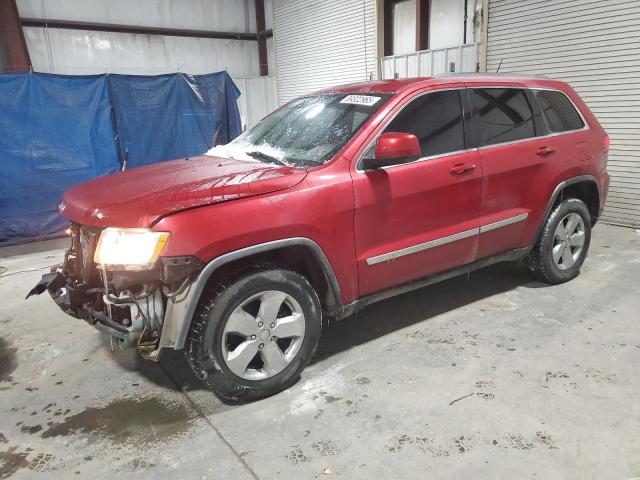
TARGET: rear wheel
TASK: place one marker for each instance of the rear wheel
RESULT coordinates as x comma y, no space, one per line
563,243
253,337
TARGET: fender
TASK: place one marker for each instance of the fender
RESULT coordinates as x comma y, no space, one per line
180,311
556,193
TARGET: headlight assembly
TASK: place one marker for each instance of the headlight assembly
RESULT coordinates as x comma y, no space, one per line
130,249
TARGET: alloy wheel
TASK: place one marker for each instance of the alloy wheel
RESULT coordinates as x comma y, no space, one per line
263,335
568,241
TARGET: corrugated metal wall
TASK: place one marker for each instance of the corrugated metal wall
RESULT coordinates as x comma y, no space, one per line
595,46
320,43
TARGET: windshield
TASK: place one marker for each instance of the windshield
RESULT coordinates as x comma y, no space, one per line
308,131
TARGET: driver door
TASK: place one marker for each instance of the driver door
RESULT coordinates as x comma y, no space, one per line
420,218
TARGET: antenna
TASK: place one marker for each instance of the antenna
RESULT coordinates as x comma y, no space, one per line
125,160
498,69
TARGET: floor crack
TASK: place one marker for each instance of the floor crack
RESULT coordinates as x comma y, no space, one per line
213,427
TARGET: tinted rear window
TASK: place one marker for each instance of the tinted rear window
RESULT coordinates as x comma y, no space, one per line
559,113
503,114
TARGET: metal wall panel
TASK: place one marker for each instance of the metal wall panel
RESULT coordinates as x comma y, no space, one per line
79,52
227,15
258,98
593,45
82,52
321,43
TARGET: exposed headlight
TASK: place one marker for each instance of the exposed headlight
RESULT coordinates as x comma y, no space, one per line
129,248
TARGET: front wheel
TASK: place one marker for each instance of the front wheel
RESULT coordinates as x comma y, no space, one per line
563,243
253,337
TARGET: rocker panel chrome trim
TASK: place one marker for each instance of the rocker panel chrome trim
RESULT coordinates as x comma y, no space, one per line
422,246
503,223
445,240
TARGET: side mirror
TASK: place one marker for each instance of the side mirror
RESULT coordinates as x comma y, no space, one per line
393,148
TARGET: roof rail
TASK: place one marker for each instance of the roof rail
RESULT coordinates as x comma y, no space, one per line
490,74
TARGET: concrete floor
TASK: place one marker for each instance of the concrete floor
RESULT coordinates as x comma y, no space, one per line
495,376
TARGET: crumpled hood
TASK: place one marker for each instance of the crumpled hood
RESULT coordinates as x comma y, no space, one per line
138,197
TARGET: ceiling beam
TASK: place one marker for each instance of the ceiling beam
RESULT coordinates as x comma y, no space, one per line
143,30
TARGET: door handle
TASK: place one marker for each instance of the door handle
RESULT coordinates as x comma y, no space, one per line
460,168
545,151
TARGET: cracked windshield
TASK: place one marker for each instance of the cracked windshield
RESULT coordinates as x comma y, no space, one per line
306,132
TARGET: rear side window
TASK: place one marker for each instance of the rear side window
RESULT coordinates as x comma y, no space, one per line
503,114
559,113
436,119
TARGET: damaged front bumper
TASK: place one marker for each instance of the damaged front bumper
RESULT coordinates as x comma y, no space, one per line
77,302
142,310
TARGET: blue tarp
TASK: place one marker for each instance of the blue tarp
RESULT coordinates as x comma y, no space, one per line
57,131
172,116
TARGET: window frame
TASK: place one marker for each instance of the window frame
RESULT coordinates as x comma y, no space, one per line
472,134
539,127
585,125
422,98
533,102
466,122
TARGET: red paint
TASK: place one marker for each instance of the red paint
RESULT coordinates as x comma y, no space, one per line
411,204
138,197
214,206
397,145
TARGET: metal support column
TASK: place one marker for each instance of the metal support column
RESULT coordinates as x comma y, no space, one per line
14,56
262,39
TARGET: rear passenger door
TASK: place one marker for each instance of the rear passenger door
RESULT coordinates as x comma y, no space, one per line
509,126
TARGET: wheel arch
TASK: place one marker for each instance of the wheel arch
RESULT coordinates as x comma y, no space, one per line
583,187
299,253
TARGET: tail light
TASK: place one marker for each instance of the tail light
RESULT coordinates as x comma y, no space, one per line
607,143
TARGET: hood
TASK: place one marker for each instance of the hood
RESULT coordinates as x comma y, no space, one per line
140,196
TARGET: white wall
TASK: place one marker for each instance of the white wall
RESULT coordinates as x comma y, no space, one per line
446,23
403,15
446,27
78,52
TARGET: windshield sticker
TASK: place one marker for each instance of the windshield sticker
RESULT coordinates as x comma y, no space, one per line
366,100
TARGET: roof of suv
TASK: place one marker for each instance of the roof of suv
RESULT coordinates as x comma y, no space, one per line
396,86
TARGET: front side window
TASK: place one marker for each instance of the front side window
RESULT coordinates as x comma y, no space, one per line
306,132
559,113
503,114
436,119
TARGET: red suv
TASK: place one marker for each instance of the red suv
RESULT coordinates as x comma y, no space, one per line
336,200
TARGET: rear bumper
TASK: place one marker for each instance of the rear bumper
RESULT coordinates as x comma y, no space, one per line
605,180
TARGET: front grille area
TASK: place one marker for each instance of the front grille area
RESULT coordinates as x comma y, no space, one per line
79,262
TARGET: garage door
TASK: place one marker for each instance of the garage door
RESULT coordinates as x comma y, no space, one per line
321,43
594,46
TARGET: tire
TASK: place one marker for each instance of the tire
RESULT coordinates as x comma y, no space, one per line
223,337
555,260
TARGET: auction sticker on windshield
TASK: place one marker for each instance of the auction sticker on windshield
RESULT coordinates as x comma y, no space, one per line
366,100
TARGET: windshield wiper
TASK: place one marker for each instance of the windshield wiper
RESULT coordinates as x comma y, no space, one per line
267,158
